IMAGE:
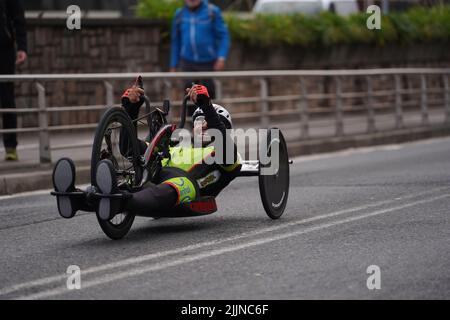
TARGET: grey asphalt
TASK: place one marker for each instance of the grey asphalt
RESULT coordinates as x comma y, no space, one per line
385,206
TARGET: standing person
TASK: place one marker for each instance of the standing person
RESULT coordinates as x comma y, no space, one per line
13,48
200,41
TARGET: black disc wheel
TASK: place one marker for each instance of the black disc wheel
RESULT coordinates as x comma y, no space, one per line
274,174
116,140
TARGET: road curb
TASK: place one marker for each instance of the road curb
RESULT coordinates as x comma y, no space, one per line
41,179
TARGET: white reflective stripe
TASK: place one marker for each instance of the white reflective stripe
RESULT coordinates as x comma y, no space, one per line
211,178
250,166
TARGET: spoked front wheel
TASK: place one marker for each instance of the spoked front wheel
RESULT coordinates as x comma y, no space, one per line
116,140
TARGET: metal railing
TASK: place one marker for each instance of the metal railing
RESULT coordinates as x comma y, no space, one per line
301,97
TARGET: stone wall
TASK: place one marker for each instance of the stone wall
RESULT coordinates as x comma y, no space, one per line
100,46
340,57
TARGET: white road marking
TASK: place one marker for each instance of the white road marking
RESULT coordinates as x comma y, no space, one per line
144,258
220,251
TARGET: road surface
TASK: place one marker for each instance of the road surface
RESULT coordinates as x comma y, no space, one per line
385,206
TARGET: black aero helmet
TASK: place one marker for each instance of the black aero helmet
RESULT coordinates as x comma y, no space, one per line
221,111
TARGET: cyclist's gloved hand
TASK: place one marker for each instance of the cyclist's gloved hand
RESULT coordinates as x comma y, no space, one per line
132,100
199,95
133,94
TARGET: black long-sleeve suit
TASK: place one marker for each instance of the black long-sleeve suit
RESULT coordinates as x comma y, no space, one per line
211,179
12,36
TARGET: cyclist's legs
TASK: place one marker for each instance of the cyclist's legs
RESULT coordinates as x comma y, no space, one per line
153,198
174,187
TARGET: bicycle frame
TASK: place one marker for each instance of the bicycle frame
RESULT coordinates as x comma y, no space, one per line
151,160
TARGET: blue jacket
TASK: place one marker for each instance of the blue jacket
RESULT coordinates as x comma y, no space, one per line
200,35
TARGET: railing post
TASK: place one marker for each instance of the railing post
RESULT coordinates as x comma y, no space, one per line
167,89
424,99
398,103
219,91
446,98
109,93
338,109
44,139
264,103
370,112
167,95
303,110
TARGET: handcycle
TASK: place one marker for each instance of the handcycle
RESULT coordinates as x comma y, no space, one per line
116,139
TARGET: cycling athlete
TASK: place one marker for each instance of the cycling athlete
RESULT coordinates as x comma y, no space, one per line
179,181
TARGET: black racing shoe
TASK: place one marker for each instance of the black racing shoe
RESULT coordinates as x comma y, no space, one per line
106,181
63,178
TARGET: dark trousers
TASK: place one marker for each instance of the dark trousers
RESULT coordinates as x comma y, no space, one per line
7,66
189,66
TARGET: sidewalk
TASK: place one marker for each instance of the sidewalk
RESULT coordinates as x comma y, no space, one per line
27,174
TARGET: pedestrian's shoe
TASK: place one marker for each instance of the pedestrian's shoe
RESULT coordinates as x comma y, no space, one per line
106,182
64,181
11,154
